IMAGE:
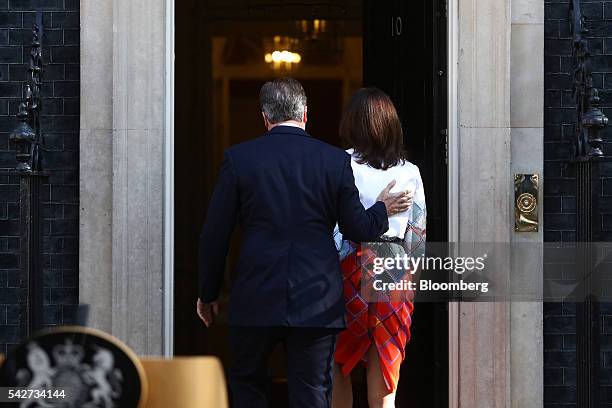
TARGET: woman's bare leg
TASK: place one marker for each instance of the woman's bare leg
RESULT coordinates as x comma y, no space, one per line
378,395
342,395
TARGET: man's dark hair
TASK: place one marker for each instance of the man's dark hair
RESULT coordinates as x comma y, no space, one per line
283,99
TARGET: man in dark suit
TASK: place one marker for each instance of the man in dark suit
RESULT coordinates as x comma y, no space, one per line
287,190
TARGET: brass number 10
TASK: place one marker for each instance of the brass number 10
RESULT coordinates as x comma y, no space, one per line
396,26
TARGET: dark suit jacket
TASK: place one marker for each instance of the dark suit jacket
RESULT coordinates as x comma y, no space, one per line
287,190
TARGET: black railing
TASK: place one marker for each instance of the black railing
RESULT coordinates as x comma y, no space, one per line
28,143
589,118
588,154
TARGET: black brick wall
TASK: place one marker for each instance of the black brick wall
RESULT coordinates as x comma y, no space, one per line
60,124
560,186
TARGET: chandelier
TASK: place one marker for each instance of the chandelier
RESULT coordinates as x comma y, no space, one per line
313,40
284,53
312,29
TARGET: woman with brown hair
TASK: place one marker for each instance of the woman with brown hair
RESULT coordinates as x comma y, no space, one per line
378,322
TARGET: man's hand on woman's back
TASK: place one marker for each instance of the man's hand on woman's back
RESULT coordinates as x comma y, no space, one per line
395,202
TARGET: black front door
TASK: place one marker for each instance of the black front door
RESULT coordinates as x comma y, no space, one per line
405,55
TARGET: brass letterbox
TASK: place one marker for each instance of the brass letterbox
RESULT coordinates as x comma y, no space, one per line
526,202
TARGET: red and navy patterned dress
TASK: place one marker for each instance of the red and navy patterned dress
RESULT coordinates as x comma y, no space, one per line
383,322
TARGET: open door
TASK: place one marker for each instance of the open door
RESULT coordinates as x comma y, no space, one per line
217,84
405,55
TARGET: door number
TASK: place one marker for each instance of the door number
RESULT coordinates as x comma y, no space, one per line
396,26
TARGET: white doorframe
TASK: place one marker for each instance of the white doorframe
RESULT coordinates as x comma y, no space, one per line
453,192
168,230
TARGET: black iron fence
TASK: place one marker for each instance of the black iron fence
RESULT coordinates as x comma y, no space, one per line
28,143
588,155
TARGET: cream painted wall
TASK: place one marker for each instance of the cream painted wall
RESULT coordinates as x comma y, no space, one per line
123,104
499,132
